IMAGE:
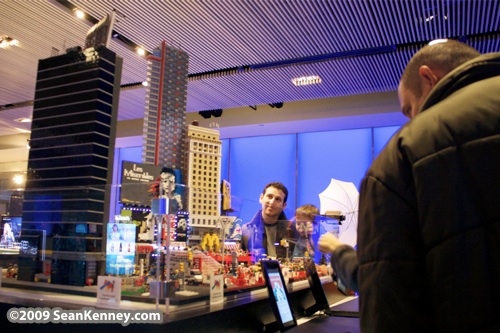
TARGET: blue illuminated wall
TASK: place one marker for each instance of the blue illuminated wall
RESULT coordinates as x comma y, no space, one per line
256,161
381,136
304,162
343,155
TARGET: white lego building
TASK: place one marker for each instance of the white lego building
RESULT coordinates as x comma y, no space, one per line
203,178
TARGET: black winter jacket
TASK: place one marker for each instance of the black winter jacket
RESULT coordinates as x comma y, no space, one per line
429,219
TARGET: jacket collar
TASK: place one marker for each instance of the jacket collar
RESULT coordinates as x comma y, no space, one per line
480,68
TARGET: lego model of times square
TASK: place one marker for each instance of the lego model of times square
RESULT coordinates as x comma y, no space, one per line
142,239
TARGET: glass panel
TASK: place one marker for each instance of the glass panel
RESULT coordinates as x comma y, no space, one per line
66,235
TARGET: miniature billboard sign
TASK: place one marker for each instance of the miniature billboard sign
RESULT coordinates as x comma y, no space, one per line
109,290
120,249
136,183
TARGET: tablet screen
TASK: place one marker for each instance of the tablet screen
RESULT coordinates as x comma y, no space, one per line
278,294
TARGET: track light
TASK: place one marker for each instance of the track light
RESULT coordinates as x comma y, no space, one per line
278,105
208,113
217,113
205,114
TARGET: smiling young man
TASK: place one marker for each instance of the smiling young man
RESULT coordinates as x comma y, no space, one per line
263,234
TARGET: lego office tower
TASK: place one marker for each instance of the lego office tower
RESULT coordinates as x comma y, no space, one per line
165,109
203,176
70,164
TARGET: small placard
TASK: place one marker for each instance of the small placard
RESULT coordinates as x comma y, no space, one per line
109,290
217,289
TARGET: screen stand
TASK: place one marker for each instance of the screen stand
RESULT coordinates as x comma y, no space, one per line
271,327
311,310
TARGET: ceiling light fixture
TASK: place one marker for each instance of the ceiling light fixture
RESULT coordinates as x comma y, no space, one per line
8,41
437,41
306,80
18,179
140,51
278,105
209,113
79,13
23,120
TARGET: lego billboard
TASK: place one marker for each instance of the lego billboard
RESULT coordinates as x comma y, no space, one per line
120,249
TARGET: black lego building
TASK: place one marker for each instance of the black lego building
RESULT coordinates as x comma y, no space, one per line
66,200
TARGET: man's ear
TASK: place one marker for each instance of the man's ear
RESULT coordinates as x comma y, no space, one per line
429,77
261,197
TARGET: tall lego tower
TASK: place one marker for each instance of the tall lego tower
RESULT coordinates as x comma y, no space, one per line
203,176
70,164
165,110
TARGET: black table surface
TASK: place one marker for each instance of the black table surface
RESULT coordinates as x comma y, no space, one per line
345,319
329,324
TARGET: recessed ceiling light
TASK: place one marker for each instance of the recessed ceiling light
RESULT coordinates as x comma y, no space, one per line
306,80
437,41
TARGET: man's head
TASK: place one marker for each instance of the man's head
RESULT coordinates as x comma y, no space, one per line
273,200
426,68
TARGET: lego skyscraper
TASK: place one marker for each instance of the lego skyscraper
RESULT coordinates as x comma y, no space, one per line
165,111
70,163
203,176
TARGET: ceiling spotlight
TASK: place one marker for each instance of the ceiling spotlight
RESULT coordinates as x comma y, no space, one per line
278,105
18,179
217,113
209,113
8,41
145,83
205,114
79,13
140,51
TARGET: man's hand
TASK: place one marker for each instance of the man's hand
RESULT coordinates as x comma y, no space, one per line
328,243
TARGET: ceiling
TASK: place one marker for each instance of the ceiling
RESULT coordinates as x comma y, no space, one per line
243,53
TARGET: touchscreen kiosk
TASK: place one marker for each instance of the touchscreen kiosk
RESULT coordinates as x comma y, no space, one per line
278,295
317,290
